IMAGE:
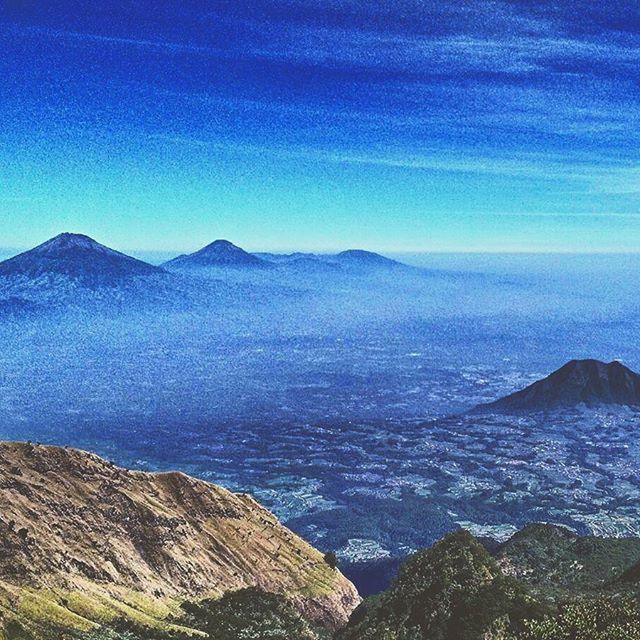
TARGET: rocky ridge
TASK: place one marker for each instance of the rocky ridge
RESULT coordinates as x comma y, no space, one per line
76,530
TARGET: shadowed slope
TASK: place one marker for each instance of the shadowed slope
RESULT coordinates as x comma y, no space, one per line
77,257
588,382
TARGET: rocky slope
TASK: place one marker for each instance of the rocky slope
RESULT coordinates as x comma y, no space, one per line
83,541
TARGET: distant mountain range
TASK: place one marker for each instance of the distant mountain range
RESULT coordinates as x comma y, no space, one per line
74,272
81,259
588,382
360,258
224,254
352,258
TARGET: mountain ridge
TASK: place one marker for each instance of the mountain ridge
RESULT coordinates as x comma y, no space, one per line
75,527
364,258
549,557
590,382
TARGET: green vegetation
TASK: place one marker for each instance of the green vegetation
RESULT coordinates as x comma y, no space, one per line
250,614
109,634
453,591
247,614
331,559
599,619
557,563
567,588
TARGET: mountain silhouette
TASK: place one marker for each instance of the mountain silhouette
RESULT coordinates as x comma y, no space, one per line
77,257
220,253
364,259
588,382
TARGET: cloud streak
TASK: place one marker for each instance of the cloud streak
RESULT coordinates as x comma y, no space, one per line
471,106
614,179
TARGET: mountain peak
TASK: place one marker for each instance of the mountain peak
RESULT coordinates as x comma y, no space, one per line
222,244
78,257
220,253
590,382
223,247
360,256
66,241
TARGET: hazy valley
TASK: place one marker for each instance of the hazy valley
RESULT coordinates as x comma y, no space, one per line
335,391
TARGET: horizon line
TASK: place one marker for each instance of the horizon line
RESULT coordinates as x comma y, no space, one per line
10,251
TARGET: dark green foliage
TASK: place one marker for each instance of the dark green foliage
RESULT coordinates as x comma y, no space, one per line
108,634
556,562
126,631
331,559
15,631
453,591
250,614
599,619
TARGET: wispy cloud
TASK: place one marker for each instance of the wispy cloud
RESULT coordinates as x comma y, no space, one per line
100,39
517,51
596,178
540,99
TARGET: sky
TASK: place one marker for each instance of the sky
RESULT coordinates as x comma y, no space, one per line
395,125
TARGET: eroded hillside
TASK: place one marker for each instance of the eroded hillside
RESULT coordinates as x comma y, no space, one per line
83,542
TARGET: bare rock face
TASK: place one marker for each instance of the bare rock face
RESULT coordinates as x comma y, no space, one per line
72,522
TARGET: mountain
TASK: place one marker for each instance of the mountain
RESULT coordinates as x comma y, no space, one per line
553,559
310,265
452,591
76,257
224,254
365,259
353,262
301,263
83,541
286,257
588,382
220,253
17,308
544,583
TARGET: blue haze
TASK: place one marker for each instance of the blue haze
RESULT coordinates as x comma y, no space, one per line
337,398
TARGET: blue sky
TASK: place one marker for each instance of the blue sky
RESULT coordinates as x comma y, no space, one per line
404,125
